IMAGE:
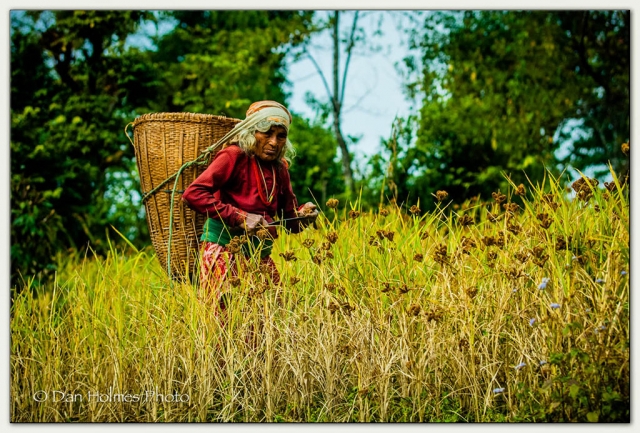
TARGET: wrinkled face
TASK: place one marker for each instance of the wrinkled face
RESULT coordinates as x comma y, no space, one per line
269,144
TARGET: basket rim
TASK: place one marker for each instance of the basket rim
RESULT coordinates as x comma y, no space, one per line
181,117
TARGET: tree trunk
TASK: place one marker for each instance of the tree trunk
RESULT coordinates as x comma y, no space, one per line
337,108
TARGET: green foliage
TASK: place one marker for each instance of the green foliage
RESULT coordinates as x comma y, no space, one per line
499,86
315,173
71,80
219,62
600,54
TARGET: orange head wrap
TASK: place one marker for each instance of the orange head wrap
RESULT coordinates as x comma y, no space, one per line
273,111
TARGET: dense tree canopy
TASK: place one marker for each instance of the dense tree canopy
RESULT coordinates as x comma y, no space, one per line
72,84
499,86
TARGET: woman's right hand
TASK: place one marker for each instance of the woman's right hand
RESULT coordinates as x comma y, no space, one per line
254,222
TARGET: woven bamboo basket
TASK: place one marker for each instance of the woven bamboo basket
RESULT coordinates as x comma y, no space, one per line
163,143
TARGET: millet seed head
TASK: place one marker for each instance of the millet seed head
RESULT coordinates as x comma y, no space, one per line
493,218
511,208
332,203
584,188
332,237
465,220
441,195
234,247
625,148
263,234
514,227
414,310
498,196
288,256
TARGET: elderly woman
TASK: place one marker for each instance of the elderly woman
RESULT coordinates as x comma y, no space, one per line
244,189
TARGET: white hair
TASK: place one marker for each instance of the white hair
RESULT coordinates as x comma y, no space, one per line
247,140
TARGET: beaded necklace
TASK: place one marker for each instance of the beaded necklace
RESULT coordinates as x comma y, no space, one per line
262,188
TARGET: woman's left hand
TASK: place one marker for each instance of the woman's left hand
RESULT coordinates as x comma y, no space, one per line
310,211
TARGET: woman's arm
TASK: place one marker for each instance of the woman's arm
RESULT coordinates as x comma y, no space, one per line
200,195
289,205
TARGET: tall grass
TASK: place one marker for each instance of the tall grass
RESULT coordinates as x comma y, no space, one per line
445,316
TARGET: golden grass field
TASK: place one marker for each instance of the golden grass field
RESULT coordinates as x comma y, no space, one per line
511,309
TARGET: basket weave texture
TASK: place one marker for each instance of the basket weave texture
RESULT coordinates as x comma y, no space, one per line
163,143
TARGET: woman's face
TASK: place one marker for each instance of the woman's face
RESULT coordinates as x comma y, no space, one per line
269,144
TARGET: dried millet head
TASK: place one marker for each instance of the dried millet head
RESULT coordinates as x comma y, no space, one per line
498,196
493,218
288,256
625,148
263,234
234,247
514,227
441,195
332,203
465,220
332,237
414,310
511,208
584,187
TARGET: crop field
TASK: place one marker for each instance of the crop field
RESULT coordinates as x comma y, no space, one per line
510,308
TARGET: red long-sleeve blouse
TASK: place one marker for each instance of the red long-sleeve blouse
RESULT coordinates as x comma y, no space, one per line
233,186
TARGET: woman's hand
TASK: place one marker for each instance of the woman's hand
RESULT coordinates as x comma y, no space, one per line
254,222
310,211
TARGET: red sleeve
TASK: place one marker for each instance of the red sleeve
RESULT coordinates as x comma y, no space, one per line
201,194
287,201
